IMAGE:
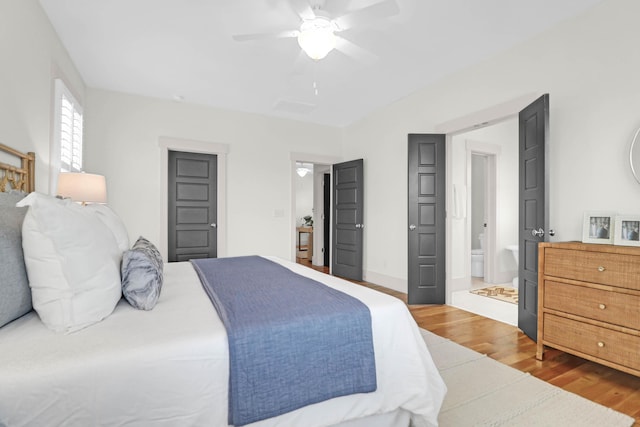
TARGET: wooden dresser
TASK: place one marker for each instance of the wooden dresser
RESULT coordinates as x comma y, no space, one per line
589,302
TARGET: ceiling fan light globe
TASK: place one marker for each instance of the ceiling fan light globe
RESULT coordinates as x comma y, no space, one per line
316,38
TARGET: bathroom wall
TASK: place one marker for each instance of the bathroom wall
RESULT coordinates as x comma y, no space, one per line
478,194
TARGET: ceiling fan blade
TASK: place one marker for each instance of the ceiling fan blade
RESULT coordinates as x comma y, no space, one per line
304,9
263,36
351,49
367,14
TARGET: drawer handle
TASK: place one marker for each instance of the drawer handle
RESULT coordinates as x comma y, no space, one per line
602,306
601,269
600,344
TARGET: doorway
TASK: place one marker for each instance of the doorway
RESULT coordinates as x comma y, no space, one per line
532,208
315,204
312,207
167,144
192,206
484,183
481,259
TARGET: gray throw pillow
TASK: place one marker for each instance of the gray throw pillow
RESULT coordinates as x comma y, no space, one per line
15,294
10,198
142,274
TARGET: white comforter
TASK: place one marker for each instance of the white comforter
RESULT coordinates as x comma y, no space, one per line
168,366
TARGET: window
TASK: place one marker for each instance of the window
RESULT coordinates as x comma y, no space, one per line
66,149
70,135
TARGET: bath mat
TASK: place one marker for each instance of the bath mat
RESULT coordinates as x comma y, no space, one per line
502,293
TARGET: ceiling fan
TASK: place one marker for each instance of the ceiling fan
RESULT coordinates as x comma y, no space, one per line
317,32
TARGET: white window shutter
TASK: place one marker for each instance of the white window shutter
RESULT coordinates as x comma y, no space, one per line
70,135
66,149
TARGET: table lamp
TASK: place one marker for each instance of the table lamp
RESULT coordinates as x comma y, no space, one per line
82,187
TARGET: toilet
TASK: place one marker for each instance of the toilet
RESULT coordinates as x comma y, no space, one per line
477,259
514,251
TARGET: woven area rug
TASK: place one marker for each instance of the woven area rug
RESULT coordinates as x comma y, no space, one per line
484,392
502,293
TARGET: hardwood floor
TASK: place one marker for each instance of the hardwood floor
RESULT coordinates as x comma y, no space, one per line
508,345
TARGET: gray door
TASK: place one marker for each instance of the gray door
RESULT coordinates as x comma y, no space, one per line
192,196
348,225
427,236
533,206
326,205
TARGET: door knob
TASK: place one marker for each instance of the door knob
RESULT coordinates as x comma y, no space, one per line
412,227
214,225
537,233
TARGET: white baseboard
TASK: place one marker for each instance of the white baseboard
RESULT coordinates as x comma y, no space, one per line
395,283
504,277
458,284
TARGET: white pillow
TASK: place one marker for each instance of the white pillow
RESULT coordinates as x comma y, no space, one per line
115,224
73,263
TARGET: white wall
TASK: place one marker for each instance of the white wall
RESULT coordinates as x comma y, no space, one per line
589,67
121,142
32,56
304,202
304,196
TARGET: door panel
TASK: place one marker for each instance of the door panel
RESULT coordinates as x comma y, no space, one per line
534,138
426,274
348,206
192,197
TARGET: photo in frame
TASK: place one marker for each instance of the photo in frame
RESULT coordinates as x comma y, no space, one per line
626,230
598,227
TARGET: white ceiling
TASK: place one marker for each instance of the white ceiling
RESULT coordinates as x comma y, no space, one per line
183,50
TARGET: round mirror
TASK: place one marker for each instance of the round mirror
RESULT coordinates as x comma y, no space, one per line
634,155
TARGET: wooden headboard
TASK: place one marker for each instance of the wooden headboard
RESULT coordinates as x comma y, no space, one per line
18,178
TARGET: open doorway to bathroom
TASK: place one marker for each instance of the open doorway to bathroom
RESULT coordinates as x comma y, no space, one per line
485,220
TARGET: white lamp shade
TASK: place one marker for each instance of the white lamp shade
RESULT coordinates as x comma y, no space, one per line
82,187
316,38
302,169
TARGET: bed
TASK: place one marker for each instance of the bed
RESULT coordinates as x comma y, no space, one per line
169,366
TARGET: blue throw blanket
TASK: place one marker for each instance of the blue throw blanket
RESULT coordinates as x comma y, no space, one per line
292,340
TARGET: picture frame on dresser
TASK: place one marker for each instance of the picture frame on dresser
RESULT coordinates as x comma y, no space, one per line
598,227
627,230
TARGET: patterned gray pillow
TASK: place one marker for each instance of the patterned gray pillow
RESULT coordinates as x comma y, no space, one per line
15,294
142,274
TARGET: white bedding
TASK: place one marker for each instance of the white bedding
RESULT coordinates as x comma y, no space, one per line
168,366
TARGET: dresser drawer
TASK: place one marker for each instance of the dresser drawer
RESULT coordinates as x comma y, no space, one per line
605,344
619,270
606,306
